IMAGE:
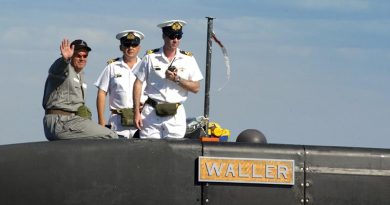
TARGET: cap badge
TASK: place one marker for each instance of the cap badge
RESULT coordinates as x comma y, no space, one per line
176,26
130,36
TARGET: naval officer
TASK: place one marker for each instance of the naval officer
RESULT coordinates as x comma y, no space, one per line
117,80
170,73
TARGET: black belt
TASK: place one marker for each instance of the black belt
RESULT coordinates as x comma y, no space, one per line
114,112
151,102
117,111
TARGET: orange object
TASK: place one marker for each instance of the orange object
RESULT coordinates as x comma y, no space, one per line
209,139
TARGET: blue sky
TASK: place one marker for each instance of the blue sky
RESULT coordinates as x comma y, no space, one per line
303,72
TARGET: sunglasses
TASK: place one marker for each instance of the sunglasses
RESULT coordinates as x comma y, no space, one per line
81,56
173,36
131,44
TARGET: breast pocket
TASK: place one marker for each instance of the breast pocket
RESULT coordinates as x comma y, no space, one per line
74,87
120,88
75,91
184,72
119,83
75,83
157,74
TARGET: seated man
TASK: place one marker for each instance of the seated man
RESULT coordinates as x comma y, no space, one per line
66,116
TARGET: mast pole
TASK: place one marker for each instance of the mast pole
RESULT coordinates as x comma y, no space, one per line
208,70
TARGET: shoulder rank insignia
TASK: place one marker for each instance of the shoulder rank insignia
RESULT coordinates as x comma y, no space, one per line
112,60
186,53
152,51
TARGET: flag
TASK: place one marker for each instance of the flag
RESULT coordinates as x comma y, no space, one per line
226,57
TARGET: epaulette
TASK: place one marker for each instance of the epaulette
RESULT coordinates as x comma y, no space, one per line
112,60
186,53
152,51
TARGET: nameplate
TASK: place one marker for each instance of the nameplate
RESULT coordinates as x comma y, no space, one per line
246,170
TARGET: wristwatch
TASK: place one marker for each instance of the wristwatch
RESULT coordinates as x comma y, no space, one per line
177,80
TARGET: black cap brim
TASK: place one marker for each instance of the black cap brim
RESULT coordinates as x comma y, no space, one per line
133,41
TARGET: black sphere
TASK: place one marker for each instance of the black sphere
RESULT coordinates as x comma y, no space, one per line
252,136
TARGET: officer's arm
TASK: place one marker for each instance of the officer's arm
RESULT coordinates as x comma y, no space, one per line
100,104
192,86
137,89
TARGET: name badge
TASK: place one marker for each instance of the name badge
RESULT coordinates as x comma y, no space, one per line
246,170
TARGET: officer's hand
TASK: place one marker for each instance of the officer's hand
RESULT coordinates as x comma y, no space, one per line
171,75
66,49
137,120
102,122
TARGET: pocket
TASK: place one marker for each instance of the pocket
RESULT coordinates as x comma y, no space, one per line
166,109
127,116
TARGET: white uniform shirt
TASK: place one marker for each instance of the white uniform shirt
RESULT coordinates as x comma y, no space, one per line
152,70
118,79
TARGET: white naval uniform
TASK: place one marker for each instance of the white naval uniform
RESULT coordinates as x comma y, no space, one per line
152,71
117,79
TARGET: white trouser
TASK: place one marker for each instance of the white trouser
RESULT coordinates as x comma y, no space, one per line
157,127
116,125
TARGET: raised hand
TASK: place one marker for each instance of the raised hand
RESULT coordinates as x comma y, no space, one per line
66,49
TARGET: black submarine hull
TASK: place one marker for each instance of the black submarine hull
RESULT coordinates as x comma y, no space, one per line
139,171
